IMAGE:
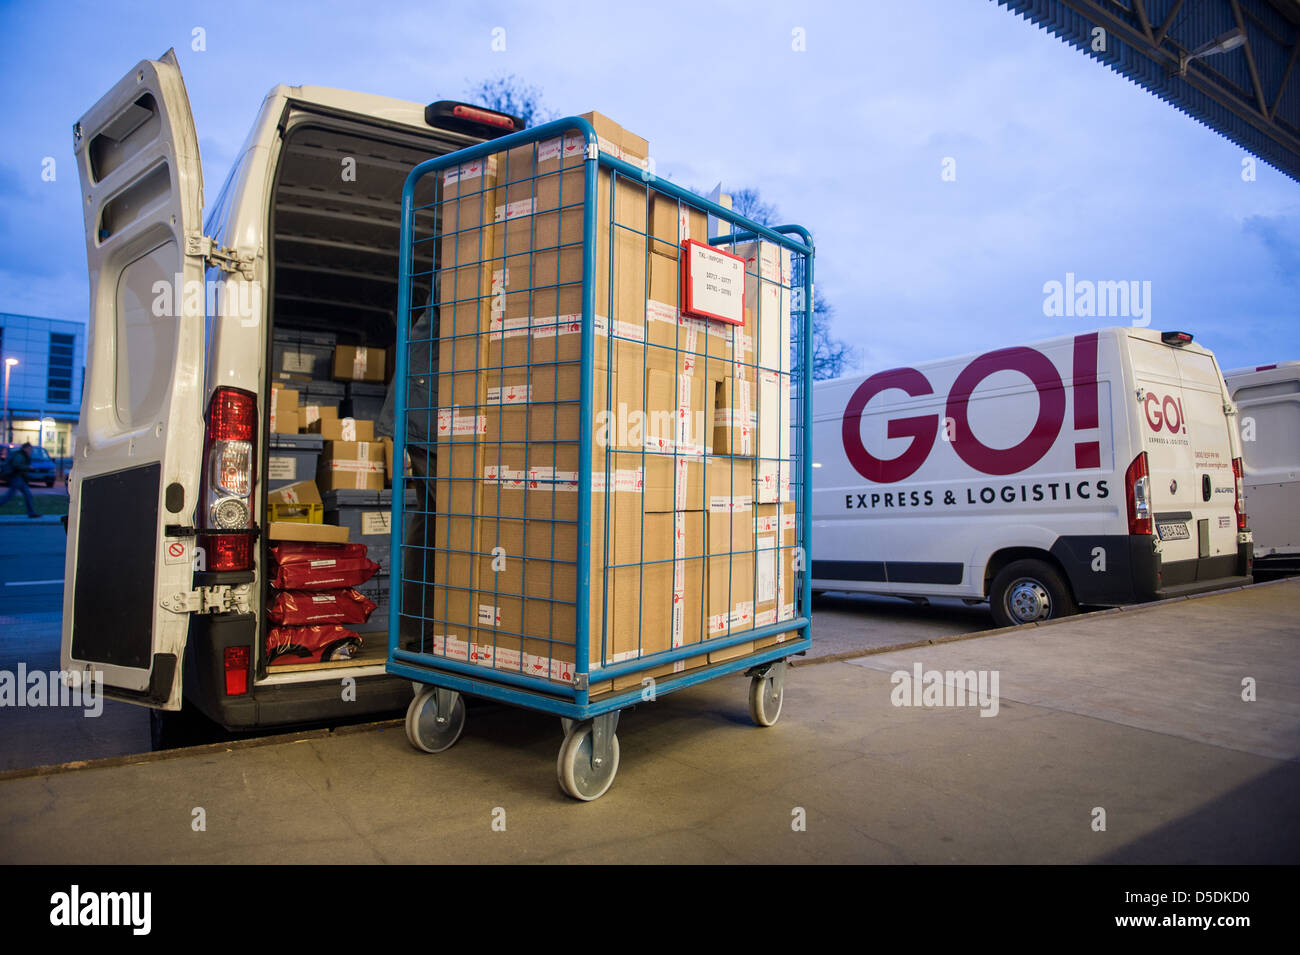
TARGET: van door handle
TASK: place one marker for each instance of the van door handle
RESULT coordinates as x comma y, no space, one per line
1206,489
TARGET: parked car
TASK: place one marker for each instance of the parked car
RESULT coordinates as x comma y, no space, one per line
42,469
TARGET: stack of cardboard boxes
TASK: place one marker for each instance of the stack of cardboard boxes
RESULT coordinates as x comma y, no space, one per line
320,460
680,551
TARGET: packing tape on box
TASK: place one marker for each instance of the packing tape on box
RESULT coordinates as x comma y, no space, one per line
508,478
348,429
500,328
510,395
355,467
516,209
470,170
451,647
450,423
287,494
551,326
274,402
723,504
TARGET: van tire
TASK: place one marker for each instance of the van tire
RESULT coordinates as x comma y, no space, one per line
1029,591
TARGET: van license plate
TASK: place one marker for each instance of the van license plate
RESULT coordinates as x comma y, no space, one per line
1172,532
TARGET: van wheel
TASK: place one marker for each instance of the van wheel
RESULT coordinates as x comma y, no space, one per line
1029,591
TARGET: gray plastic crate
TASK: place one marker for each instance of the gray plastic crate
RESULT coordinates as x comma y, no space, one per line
292,458
303,353
361,511
364,400
320,392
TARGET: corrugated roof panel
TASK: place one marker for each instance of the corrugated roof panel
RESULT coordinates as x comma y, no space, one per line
1272,37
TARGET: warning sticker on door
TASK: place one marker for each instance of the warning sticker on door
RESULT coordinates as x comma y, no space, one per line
176,552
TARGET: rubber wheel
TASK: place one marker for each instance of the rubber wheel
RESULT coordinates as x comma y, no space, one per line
422,726
764,704
1029,591
576,775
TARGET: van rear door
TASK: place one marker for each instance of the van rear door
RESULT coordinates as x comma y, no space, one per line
1187,439
130,553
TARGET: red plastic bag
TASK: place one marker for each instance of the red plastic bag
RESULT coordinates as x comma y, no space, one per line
305,607
324,573
297,552
316,644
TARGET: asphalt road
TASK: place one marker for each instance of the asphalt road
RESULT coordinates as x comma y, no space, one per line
31,601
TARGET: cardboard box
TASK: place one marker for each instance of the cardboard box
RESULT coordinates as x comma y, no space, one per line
309,414
735,417
351,464
767,296
673,222
360,363
731,587
296,503
284,410
775,437
314,533
343,429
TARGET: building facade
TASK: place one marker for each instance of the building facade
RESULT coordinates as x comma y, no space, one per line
44,361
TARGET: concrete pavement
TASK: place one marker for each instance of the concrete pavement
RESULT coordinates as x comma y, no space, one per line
1138,713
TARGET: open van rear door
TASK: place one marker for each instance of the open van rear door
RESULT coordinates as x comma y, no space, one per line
135,482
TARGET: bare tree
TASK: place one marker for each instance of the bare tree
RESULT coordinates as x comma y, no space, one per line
510,94
831,356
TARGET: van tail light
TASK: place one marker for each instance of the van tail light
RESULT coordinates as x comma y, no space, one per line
237,660
1239,486
228,479
1137,485
227,551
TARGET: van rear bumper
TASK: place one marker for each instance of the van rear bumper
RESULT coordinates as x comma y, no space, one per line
1109,570
279,704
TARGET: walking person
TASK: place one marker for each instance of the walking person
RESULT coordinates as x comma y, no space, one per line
15,468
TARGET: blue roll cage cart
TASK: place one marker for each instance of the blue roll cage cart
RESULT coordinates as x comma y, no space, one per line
424,538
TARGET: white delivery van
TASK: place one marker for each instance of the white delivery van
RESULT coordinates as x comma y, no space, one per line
173,439
1268,402
1101,468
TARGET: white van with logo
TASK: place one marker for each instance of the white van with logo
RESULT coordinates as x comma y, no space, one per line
1093,469
166,576
1268,402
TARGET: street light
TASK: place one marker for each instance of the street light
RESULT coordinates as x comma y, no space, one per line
1222,43
9,422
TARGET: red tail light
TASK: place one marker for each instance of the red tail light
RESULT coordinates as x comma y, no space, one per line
228,551
464,111
1239,486
228,479
237,661
232,415
1137,486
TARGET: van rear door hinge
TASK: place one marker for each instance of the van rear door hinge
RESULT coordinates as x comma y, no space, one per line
228,260
217,599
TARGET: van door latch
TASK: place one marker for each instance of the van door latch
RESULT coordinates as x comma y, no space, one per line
228,260
217,599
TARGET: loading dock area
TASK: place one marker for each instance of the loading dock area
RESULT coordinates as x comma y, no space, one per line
1137,712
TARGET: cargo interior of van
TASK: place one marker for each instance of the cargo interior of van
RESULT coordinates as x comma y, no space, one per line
335,226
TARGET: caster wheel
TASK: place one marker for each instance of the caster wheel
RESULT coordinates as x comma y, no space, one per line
766,694
430,729
578,778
